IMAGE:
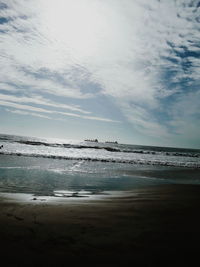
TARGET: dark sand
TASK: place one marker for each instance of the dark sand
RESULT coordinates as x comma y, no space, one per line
158,227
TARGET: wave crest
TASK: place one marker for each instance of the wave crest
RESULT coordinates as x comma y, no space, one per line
111,160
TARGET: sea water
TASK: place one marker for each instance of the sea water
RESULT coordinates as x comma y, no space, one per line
70,168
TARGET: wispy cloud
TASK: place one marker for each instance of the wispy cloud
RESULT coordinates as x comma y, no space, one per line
185,116
161,63
20,112
29,108
39,100
143,54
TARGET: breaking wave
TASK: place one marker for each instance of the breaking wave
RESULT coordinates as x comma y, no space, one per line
112,160
111,149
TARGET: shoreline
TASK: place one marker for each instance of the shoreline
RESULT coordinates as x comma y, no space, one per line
69,198
156,226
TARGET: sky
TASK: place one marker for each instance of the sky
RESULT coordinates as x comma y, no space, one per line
108,69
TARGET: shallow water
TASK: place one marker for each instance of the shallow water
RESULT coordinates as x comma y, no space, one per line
43,176
48,168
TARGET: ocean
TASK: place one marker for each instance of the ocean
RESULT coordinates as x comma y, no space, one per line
68,168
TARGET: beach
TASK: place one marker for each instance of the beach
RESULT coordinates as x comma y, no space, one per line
65,203
154,226
99,133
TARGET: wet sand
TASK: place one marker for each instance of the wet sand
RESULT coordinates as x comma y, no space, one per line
158,226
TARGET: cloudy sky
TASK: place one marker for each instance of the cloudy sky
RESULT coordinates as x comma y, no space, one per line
109,69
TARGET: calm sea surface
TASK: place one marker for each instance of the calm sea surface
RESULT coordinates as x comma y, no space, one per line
68,168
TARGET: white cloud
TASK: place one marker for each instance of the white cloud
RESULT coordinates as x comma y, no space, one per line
20,112
186,108
144,121
14,77
37,99
23,107
42,110
142,53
